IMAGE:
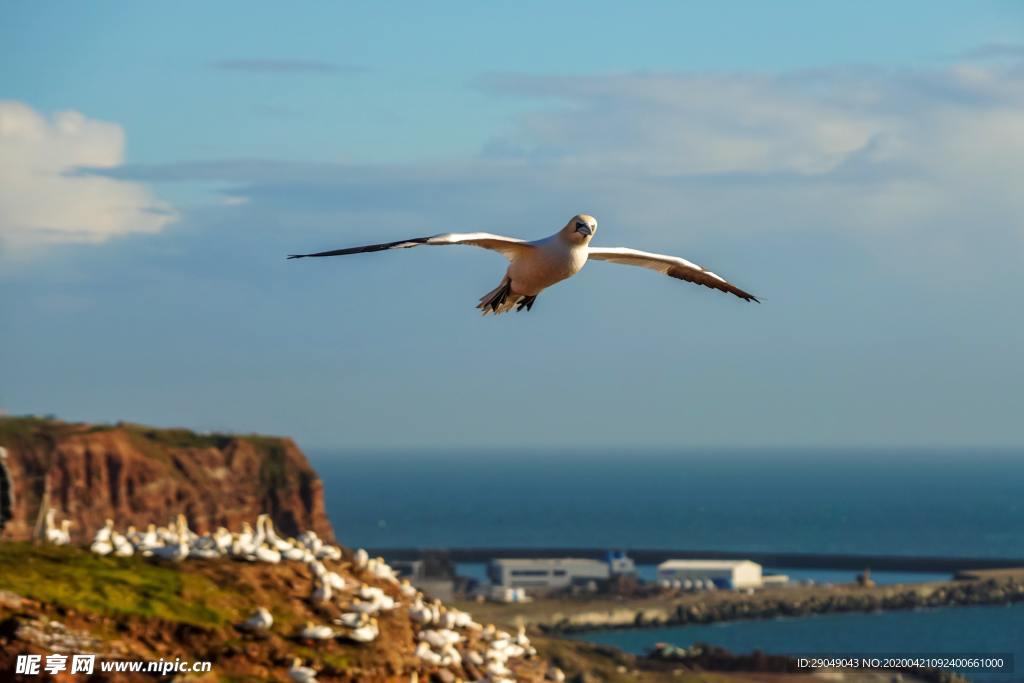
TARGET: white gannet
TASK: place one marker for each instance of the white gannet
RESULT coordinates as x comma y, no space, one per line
555,674
101,544
122,546
335,580
295,554
352,619
535,266
360,559
301,674
365,634
313,631
258,621
175,552
407,589
439,638
57,535
264,553
223,539
428,656
475,657
328,552
420,613
103,535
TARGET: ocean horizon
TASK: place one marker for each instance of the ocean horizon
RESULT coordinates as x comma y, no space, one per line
911,502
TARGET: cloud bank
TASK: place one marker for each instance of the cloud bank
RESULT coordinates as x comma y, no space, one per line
43,202
931,153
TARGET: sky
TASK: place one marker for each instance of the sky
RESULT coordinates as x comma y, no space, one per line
856,165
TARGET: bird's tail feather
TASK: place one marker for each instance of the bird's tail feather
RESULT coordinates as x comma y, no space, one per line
501,299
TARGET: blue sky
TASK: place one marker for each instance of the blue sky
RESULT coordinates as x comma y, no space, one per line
856,164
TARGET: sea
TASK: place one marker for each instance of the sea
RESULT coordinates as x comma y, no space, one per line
937,502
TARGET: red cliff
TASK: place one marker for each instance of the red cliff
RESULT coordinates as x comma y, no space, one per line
141,475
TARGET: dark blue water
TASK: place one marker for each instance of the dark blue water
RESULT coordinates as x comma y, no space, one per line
943,632
966,503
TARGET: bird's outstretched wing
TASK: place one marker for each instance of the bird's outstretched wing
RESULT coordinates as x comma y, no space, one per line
673,266
509,247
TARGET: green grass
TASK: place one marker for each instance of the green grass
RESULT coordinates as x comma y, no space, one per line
77,579
179,438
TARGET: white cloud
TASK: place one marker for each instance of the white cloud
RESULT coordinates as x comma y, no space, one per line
44,202
935,153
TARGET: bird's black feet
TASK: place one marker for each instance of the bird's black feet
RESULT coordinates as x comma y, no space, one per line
526,302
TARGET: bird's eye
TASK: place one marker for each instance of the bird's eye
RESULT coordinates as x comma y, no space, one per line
580,225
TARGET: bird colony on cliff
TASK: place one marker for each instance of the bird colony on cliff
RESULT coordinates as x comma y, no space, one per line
445,637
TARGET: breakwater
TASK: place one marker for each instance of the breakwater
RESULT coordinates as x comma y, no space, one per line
794,602
770,559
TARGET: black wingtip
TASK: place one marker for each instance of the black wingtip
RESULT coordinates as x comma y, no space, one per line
291,256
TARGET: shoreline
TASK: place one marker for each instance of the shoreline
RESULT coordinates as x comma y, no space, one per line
780,559
575,615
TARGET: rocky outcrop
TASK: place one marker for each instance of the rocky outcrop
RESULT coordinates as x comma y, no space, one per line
141,475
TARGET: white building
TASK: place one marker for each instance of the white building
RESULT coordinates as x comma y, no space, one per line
545,573
723,573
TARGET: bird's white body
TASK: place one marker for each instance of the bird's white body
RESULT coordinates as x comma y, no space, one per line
313,631
552,260
301,674
535,266
258,621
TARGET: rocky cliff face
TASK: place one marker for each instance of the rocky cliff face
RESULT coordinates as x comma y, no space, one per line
141,475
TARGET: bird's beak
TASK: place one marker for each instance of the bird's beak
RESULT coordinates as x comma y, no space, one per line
585,229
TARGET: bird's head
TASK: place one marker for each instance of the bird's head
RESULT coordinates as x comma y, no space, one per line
580,229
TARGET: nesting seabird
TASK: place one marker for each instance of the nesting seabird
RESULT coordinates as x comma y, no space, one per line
535,266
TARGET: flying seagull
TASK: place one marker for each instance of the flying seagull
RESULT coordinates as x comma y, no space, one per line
535,266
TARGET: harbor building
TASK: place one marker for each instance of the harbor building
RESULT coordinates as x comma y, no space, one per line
546,574
730,574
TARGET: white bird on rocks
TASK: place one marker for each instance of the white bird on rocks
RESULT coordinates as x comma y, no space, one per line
535,266
222,538
321,572
57,535
439,638
352,619
360,559
175,552
313,631
301,674
555,674
258,621
264,553
296,554
365,634
427,655
497,668
328,552
420,613
374,594
122,546
150,539
101,544
364,606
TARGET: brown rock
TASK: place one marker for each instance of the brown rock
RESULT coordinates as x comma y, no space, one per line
141,475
